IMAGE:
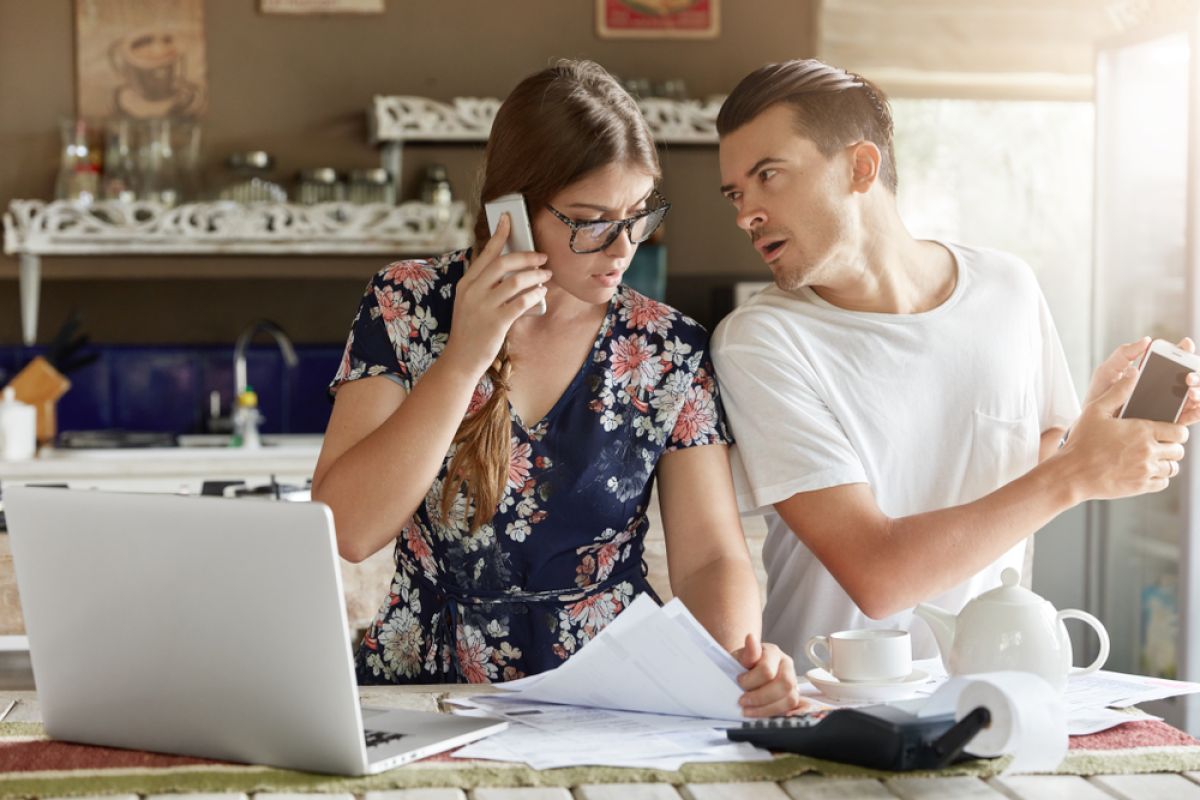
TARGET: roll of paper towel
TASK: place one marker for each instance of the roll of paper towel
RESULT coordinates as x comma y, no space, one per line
1029,721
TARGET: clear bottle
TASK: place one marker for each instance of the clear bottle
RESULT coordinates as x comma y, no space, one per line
437,192
78,179
186,138
246,419
160,172
119,176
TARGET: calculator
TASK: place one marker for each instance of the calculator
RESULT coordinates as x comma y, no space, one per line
879,737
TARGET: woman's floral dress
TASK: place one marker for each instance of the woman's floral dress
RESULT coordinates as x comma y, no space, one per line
563,555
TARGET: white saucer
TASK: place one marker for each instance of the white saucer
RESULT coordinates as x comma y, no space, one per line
866,691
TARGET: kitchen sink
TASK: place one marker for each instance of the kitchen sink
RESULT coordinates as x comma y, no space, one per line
268,440
198,446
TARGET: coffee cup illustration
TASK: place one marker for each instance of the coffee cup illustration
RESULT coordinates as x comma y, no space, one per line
153,70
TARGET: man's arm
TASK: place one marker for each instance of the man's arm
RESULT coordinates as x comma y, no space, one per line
1051,439
888,564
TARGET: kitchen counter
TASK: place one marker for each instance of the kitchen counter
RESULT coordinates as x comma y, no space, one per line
288,459
291,458
451,780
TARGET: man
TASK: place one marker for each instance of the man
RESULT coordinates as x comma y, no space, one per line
899,405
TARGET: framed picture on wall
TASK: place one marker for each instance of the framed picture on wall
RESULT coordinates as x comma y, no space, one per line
658,19
321,6
142,59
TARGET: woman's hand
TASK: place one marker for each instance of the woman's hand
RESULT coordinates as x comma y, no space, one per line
769,684
495,291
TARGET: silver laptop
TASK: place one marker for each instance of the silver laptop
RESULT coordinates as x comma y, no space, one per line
204,627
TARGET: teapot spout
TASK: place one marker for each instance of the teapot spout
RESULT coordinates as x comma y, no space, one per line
942,623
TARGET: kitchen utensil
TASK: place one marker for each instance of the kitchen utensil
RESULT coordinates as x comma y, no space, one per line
40,385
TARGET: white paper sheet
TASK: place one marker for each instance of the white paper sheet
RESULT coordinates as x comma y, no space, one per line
549,736
652,690
648,659
1119,690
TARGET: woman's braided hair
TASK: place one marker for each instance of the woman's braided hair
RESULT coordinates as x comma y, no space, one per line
556,127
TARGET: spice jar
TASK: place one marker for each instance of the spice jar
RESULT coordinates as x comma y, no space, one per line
319,185
248,181
371,186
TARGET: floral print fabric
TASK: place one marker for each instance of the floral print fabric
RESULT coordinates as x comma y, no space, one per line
563,554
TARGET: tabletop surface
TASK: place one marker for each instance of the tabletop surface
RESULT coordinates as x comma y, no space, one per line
1154,786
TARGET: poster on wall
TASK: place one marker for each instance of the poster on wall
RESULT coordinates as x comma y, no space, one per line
141,59
658,19
322,6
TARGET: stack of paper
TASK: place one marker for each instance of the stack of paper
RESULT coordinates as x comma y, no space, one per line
1093,702
652,659
545,735
1118,690
653,690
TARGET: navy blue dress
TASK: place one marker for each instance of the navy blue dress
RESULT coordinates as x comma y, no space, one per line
563,555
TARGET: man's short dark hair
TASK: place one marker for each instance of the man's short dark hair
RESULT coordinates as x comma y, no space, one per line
833,107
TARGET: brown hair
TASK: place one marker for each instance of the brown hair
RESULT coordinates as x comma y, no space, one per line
556,127
833,107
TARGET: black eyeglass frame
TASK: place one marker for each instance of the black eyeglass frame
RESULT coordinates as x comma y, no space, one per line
618,224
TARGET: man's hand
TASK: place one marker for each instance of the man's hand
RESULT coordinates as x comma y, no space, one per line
1125,358
769,683
1191,407
1114,457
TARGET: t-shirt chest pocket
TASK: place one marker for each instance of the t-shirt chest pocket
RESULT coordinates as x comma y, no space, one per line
1002,449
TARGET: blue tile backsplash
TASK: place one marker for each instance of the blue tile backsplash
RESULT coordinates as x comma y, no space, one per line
166,388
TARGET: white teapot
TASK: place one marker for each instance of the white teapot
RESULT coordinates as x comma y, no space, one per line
1010,628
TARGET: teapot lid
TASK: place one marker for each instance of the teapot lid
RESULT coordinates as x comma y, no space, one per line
1010,591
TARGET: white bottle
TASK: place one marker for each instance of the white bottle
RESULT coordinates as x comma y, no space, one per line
18,428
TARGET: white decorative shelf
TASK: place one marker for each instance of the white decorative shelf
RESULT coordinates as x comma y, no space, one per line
34,228
67,228
400,119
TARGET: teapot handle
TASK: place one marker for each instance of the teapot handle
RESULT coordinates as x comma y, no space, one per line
1098,627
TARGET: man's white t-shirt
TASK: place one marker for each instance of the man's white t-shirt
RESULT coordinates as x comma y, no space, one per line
931,410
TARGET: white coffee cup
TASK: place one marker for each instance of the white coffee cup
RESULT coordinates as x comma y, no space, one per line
864,655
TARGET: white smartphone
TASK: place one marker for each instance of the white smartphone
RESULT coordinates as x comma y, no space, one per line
520,232
1161,388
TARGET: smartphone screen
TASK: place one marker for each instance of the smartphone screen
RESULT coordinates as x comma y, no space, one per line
1160,391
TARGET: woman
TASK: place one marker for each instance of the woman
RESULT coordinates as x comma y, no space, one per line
510,457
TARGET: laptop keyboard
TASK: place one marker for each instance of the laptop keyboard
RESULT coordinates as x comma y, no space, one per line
380,738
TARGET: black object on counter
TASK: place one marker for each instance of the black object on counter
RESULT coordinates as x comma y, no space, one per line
113,438
879,737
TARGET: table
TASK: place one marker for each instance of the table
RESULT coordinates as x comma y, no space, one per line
1185,786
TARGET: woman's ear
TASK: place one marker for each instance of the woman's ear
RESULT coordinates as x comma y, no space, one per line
865,160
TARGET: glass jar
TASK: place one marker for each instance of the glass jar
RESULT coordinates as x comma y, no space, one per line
248,181
371,186
319,185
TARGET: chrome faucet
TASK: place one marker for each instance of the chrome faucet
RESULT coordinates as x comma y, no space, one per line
239,352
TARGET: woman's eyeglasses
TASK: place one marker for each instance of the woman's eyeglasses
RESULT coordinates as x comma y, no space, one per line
593,236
